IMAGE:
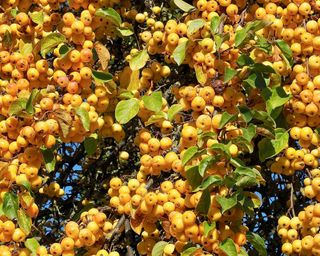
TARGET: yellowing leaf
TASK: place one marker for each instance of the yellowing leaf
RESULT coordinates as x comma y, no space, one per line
49,42
134,81
37,17
110,14
25,49
126,110
201,76
103,54
24,221
84,117
139,60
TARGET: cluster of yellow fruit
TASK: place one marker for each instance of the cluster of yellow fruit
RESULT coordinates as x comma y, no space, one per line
149,75
79,31
311,189
295,160
46,79
92,229
305,103
201,50
300,234
298,159
204,100
52,190
175,204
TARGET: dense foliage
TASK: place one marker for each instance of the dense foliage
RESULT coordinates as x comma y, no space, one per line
159,127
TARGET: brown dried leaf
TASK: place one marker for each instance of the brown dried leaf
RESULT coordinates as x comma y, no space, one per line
166,227
65,121
103,54
137,225
36,49
3,167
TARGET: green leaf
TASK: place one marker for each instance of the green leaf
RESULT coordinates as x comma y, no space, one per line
184,6
286,50
126,110
204,203
224,149
153,102
275,97
139,60
228,247
189,154
30,102
26,49
179,54
248,32
264,117
26,184
125,32
160,116
271,147
260,67
240,37
77,215
226,118
229,74
213,180
84,117
208,227
246,182
7,39
90,144
195,25
245,113
264,45
189,251
200,74
10,205
24,221
244,60
255,80
32,244
173,111
48,43
111,14
18,106
236,162
14,12
126,95
37,17
257,242
157,249
49,159
64,50
249,132
101,77
193,177
226,203
242,252
215,23
219,39
206,163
